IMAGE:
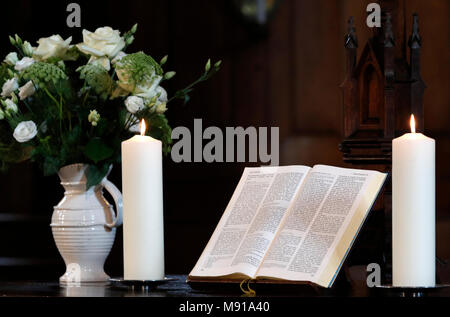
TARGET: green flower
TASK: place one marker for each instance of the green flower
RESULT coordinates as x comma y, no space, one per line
98,78
137,69
94,117
42,73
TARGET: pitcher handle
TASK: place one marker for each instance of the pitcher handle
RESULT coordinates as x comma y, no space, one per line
117,196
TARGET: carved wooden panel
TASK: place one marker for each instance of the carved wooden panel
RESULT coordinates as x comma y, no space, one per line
379,93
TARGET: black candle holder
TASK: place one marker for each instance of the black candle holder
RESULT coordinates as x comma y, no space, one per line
403,291
144,285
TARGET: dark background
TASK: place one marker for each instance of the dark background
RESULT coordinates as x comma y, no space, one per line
286,75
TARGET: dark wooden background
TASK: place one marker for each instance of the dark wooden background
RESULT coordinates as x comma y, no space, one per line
286,76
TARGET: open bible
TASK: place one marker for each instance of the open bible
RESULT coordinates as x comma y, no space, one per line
289,224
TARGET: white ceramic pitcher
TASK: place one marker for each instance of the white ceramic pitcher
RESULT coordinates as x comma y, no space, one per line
84,225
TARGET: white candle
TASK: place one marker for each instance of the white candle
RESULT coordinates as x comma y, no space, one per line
413,210
143,226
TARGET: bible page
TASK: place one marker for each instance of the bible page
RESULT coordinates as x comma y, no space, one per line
320,226
250,221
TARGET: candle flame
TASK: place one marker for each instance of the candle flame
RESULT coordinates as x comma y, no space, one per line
412,123
143,127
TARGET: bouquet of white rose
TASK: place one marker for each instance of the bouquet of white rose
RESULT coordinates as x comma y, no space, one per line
63,104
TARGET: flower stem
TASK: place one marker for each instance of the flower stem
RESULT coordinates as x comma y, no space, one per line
51,96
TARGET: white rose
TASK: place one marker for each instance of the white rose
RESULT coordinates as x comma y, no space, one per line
101,61
53,46
11,59
27,90
103,42
25,131
9,87
11,107
118,57
134,104
23,63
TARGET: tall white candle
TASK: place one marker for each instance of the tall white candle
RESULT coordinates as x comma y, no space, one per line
413,213
143,226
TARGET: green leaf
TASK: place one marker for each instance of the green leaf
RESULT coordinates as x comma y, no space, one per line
122,116
74,135
102,126
96,174
96,150
186,98
4,76
51,165
160,129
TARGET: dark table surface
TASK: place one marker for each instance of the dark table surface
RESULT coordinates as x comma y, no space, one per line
179,288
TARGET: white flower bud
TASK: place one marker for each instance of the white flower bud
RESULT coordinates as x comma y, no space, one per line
11,107
134,28
130,39
163,60
28,50
11,59
27,90
23,63
169,75
18,40
9,87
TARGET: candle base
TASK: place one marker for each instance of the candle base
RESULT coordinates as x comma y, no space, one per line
403,291
144,285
